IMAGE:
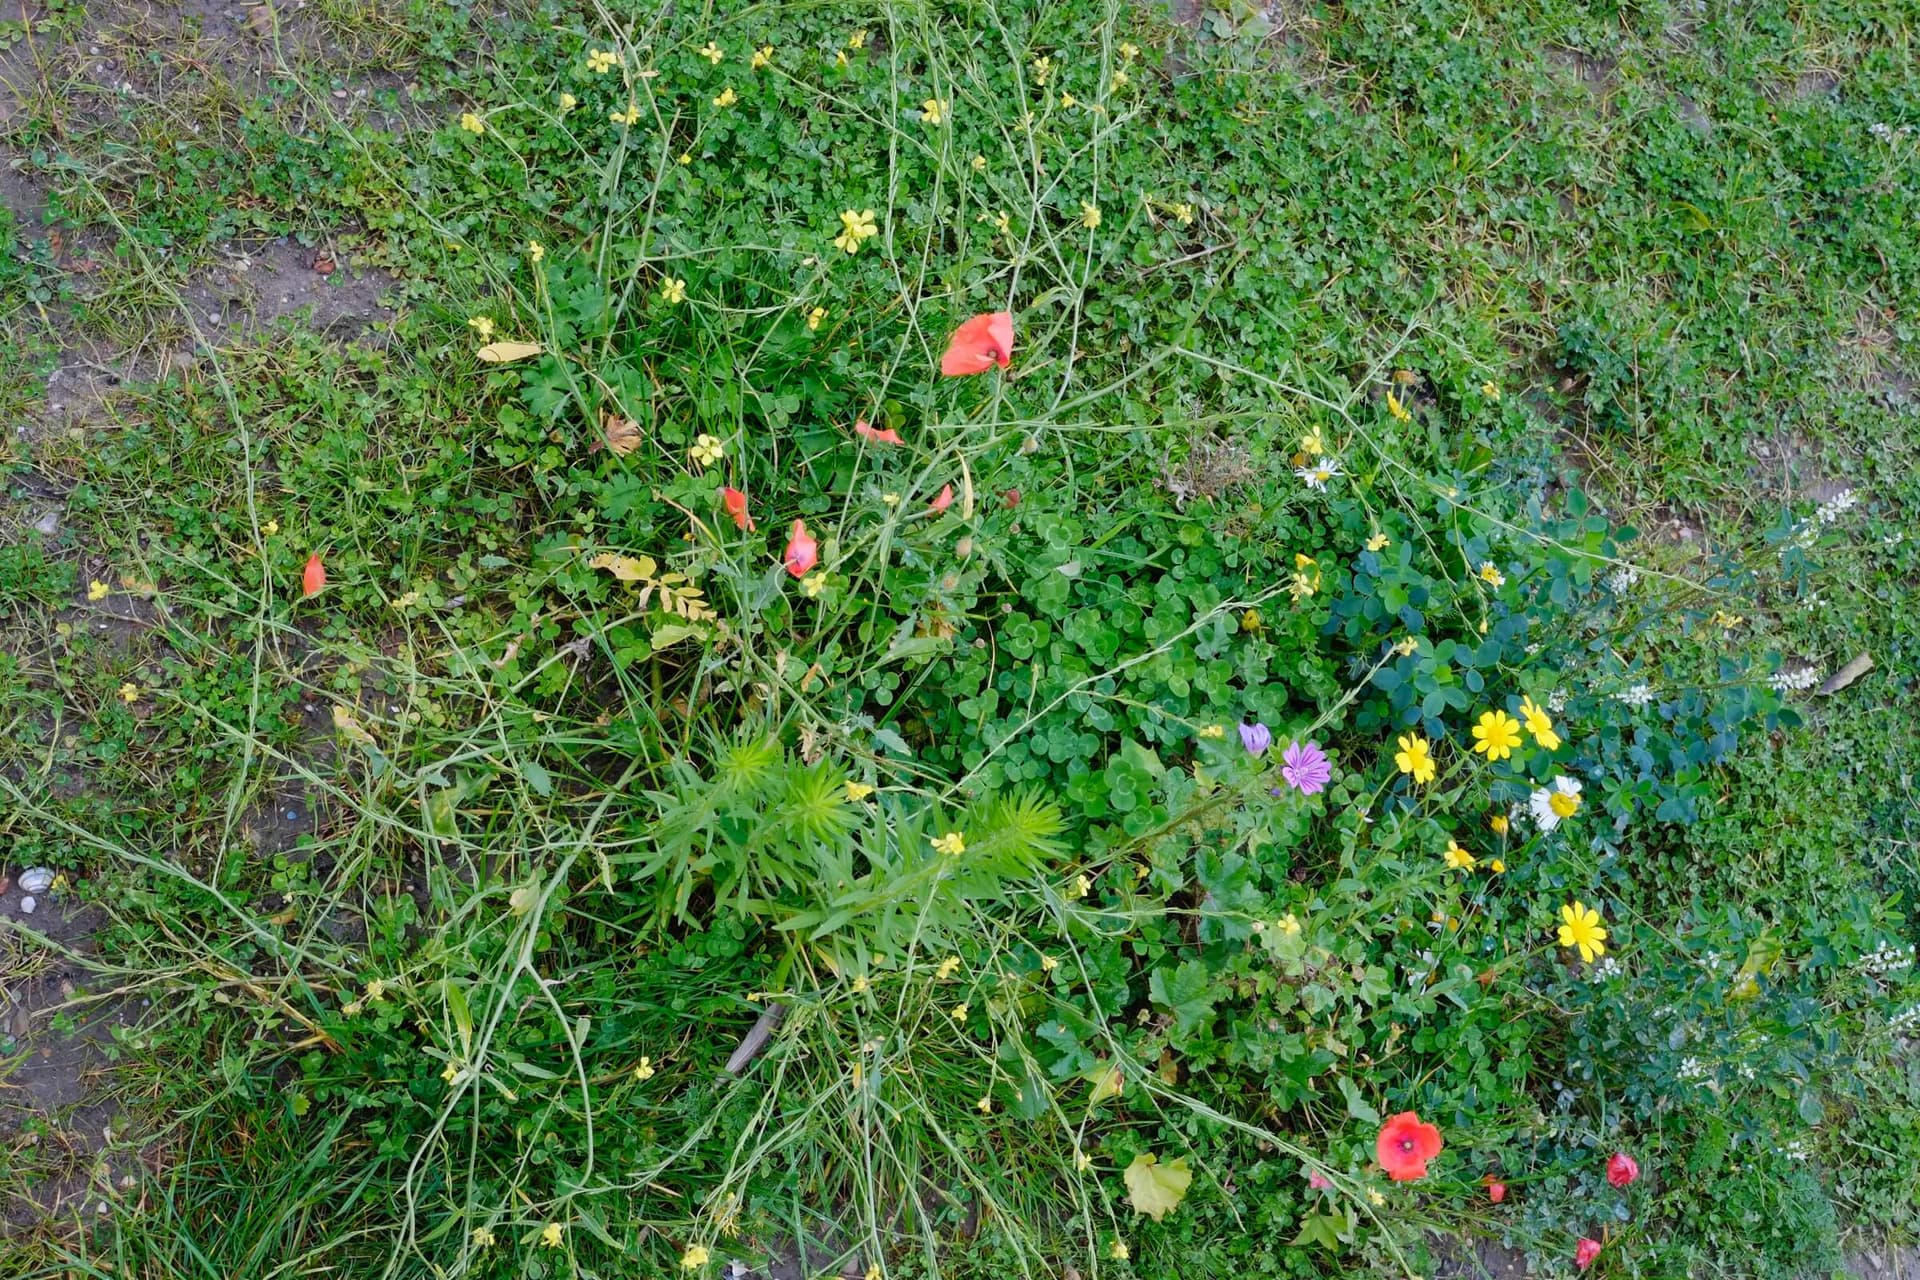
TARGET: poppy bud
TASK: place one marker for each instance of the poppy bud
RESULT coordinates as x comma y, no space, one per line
1585,1252
1622,1169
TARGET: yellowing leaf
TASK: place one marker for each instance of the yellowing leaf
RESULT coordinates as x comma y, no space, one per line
1157,1189
349,728
507,352
1107,1083
625,568
672,634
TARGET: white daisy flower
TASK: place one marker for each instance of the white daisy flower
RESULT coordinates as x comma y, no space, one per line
1317,475
1558,799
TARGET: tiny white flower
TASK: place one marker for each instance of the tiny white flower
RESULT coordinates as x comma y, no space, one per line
1317,475
1546,814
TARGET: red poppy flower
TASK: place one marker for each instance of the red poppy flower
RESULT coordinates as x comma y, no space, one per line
979,344
1622,1169
736,504
1405,1145
879,435
314,577
802,551
1585,1252
943,499
1496,1191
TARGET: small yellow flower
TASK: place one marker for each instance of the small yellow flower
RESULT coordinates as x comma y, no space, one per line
1082,1161
959,1012
713,53
1289,924
601,61
645,1070
726,97
933,111
857,40
536,251
1398,410
1042,68
1120,81
270,528
568,102
1213,731
946,968
129,692
552,1234
1415,758
1375,1198
953,844
483,326
979,164
1313,444
1540,725
1407,647
854,228
482,1238
472,123
1003,223
985,1105
1379,542
352,1008
815,316
694,1258
706,450
1490,389
1580,929
1129,51
376,990
1458,859
1721,618
857,791
840,59
1496,735
1250,621
1081,887
673,291
1089,215
1498,867
860,984
1489,573
763,56
813,584
1499,824
629,117
1067,100
1048,964
98,590
890,499
873,1272
1118,1251
686,157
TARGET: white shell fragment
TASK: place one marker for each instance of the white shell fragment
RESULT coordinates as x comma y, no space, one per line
27,904
36,880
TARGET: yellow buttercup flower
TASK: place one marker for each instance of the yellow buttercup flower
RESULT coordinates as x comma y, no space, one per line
858,791
645,1070
1499,824
1490,390
629,117
953,844
813,584
129,692
673,291
1496,735
933,111
713,53
694,1258
1312,444
472,123
1458,859
552,1234
1067,100
815,316
1379,542
1539,724
601,61
1042,68
855,227
1415,757
98,590
979,163
959,1012
857,40
1289,925
706,450
1498,867
762,56
1580,929
1089,216
482,326
726,97
946,968
568,102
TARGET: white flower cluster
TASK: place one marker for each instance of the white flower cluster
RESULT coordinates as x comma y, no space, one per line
1904,1021
1693,1069
1836,506
1795,1150
1886,132
1621,580
1603,968
1557,701
1636,696
1792,679
1886,957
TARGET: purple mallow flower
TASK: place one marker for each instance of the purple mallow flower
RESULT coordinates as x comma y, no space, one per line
1255,737
1306,767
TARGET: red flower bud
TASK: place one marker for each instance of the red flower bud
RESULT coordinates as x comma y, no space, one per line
1585,1252
1622,1169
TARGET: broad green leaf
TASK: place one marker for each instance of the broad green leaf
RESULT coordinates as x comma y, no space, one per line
1157,1189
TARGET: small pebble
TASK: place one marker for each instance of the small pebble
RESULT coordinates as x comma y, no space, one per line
27,905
